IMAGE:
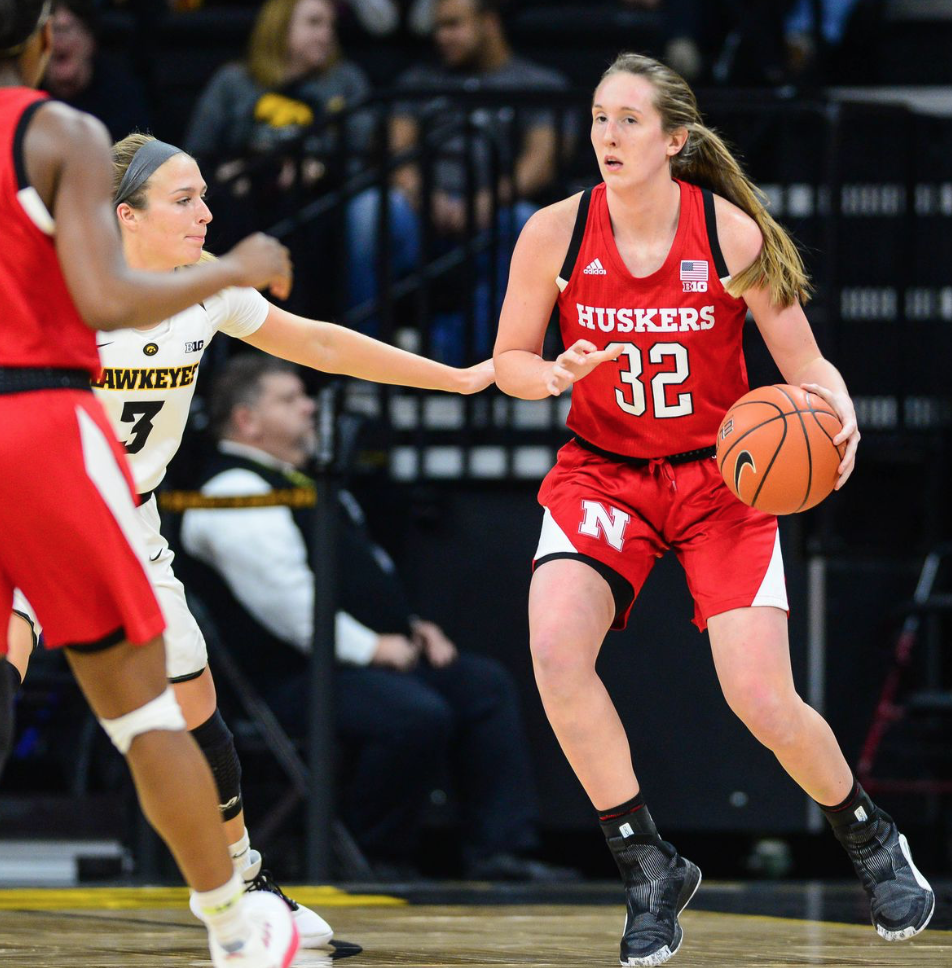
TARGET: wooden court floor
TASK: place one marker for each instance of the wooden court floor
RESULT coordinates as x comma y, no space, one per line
142,928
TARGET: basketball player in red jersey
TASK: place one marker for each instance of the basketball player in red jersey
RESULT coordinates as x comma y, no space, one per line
653,272
68,536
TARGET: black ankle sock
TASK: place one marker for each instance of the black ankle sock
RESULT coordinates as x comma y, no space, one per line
629,806
856,807
629,819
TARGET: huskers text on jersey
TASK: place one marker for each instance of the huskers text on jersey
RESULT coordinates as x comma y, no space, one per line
609,319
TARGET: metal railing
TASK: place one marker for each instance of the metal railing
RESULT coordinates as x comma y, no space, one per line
863,205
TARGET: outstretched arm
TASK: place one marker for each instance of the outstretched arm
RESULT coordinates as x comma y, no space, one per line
336,349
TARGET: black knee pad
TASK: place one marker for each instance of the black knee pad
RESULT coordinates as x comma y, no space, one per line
9,683
218,745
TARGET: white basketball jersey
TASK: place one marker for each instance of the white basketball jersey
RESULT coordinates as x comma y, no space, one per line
148,377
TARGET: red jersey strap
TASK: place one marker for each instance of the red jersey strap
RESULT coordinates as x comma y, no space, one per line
19,164
578,233
710,220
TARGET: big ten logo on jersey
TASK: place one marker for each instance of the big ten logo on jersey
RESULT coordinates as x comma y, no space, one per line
195,347
693,274
608,523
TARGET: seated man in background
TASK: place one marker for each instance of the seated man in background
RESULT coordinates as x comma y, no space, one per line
408,704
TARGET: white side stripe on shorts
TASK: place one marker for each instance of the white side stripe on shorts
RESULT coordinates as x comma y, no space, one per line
773,589
553,539
104,472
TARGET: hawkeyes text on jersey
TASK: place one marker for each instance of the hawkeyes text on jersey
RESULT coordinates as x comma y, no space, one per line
149,405
151,378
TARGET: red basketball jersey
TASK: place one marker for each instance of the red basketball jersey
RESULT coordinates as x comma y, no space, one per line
40,325
682,365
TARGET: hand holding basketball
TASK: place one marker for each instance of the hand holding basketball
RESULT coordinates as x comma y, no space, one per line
850,434
782,449
576,362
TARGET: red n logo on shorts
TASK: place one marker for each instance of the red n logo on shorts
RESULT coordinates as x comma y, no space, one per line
608,523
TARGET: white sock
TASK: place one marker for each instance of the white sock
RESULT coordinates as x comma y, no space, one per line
239,851
222,913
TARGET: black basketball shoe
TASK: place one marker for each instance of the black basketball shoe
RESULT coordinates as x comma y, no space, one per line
659,882
901,901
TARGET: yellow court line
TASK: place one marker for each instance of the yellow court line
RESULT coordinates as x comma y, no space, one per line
132,898
137,898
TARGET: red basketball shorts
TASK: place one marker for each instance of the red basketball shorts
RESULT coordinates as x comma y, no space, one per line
69,539
625,517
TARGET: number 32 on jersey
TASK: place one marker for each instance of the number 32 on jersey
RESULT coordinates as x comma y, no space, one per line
632,397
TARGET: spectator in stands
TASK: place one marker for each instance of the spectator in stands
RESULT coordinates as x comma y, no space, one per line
384,17
294,77
750,38
406,699
682,22
262,126
801,33
377,17
519,144
84,77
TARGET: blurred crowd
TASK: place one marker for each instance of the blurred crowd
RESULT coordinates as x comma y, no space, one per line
261,116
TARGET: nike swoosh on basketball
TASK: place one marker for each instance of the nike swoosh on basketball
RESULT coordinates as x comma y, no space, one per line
742,461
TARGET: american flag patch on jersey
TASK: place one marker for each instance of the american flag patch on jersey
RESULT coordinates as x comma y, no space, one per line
693,270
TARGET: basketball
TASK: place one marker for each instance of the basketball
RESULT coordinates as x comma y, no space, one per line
775,449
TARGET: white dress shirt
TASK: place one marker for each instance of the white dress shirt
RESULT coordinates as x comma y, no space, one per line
262,556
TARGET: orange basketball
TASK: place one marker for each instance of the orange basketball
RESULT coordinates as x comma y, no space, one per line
775,449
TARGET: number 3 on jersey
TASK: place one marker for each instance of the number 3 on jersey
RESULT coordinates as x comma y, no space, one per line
633,401
140,413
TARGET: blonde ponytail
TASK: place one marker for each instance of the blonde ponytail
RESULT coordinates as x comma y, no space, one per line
706,160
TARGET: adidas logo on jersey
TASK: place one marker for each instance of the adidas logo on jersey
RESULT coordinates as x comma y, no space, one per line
595,268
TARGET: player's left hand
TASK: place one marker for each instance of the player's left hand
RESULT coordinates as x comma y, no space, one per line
478,377
577,362
438,650
843,406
